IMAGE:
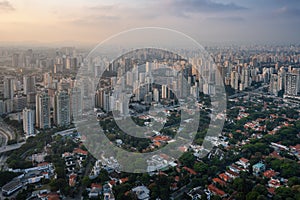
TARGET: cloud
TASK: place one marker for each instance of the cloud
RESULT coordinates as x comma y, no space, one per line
6,6
226,19
104,7
187,7
93,19
287,11
161,8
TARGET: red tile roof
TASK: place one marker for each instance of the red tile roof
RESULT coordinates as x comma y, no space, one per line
43,164
191,171
216,190
80,151
112,182
269,173
95,185
271,190
297,147
236,167
157,143
275,154
244,160
232,173
161,138
274,182
124,180
224,177
217,180
53,196
72,180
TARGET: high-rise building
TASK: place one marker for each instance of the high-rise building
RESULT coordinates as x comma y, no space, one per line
129,78
19,103
9,105
15,60
28,122
29,84
292,84
47,79
76,103
31,101
245,79
62,114
164,91
141,92
181,90
194,91
273,86
106,102
9,90
155,95
99,98
281,79
43,110
148,68
234,80
148,98
2,107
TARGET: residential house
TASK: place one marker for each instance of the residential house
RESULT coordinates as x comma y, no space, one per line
258,168
142,192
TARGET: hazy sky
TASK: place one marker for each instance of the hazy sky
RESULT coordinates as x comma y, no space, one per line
91,21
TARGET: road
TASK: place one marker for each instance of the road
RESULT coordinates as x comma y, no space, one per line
3,140
10,147
259,92
6,132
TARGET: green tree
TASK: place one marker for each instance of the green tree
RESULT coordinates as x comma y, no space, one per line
6,177
86,181
187,159
293,181
260,189
103,176
252,195
201,167
261,197
283,193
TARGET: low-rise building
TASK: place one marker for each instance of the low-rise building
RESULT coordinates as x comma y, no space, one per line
243,162
11,187
216,191
258,168
96,190
142,192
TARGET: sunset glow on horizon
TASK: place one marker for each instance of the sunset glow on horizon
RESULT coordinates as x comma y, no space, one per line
88,21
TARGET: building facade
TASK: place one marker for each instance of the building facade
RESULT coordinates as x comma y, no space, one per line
28,122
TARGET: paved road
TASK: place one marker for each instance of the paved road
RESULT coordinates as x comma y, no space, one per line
6,131
11,147
5,138
292,102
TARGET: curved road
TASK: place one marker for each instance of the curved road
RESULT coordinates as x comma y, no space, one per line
7,135
11,147
6,132
4,137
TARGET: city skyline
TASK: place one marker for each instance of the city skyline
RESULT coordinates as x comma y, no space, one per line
90,22
157,99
